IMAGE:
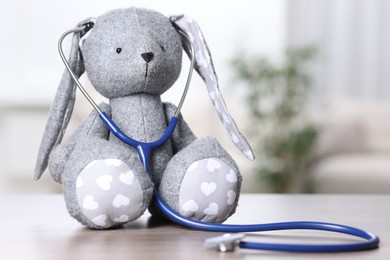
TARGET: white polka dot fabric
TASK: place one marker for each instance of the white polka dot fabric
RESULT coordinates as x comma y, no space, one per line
205,68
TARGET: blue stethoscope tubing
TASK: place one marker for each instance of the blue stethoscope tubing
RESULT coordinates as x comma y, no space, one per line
145,150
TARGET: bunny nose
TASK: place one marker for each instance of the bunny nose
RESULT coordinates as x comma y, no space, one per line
147,56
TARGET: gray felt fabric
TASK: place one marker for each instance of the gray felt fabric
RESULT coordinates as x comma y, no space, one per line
142,117
135,31
183,135
114,58
60,111
92,126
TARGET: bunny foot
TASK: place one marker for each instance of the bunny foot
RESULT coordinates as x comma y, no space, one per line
208,182
208,191
102,191
109,194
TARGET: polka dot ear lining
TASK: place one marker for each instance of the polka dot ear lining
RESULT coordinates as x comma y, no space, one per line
204,66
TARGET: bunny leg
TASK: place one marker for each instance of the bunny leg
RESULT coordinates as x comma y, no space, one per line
92,126
105,184
202,182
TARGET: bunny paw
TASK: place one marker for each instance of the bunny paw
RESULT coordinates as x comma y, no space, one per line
109,194
209,190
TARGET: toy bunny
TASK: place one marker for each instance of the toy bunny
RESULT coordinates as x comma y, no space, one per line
131,57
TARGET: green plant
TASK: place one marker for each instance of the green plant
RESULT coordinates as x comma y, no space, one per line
277,96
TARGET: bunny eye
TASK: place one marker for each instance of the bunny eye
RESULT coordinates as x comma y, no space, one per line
162,48
118,50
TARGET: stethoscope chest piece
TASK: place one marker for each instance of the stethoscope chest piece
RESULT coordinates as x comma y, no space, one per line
225,243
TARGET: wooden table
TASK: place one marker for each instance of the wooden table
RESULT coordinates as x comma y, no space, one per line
38,227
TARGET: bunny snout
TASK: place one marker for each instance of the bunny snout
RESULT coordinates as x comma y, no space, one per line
147,56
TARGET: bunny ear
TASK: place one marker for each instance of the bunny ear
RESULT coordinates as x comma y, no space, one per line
204,66
61,108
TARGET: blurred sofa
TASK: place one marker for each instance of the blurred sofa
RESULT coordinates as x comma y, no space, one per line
353,151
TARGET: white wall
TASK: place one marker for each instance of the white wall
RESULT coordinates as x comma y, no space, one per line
30,30
354,39
30,67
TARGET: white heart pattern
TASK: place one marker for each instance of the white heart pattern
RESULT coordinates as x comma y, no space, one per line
120,200
212,95
249,154
79,182
226,119
190,36
201,59
104,182
212,209
89,202
231,197
127,177
114,162
100,220
122,219
190,206
208,188
217,107
235,138
231,176
90,165
193,166
212,165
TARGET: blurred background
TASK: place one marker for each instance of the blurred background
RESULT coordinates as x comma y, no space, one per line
307,82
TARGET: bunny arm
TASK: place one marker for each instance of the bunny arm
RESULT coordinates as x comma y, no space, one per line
182,136
91,126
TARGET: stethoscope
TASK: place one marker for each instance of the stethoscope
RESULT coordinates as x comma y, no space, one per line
226,242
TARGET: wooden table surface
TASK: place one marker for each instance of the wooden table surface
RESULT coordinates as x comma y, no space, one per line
39,227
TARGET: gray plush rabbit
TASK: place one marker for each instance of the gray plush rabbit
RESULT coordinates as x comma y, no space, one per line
131,57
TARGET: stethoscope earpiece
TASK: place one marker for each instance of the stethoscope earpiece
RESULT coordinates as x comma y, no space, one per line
88,26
